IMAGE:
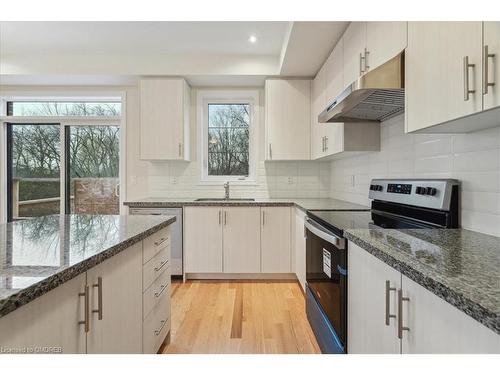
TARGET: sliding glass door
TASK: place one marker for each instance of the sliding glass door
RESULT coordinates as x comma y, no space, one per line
85,157
92,169
33,173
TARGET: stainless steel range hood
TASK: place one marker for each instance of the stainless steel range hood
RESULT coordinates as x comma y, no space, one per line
376,96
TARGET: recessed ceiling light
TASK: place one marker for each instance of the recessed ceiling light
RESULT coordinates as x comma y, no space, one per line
252,39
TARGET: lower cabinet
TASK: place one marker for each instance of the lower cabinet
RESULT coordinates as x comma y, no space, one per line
115,303
104,310
241,240
48,323
429,324
238,239
202,239
275,239
299,247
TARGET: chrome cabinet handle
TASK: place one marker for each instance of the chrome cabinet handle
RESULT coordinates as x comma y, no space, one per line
486,56
388,291
180,149
467,90
323,144
263,217
98,311
401,328
326,144
361,61
162,289
225,217
367,67
162,264
270,151
163,322
220,213
162,240
86,319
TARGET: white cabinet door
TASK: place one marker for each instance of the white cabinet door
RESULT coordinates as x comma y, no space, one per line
384,40
335,72
435,326
299,247
50,321
491,65
435,76
116,322
203,239
368,331
241,245
318,104
354,40
275,239
288,119
164,113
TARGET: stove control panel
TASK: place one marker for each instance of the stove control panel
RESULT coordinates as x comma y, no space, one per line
430,193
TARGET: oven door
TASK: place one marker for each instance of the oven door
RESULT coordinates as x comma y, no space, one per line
326,276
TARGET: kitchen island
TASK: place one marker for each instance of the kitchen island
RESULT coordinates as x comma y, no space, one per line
84,283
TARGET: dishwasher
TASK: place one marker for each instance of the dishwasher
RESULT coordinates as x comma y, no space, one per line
176,233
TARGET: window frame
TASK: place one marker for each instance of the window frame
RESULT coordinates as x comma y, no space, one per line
249,97
63,121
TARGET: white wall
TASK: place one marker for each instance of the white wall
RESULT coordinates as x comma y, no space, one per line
473,158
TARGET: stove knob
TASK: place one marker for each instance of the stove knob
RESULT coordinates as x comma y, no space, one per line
419,190
431,191
380,188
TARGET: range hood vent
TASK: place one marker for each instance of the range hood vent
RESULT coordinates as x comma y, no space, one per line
376,96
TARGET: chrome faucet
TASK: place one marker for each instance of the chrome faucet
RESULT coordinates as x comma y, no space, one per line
226,190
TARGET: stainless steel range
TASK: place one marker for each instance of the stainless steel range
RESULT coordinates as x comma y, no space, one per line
396,204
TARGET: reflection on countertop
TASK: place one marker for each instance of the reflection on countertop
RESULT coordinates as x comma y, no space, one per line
38,254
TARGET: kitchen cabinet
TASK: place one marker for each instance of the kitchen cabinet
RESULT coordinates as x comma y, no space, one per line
241,244
354,41
299,247
203,239
384,40
116,288
429,324
288,119
275,239
443,72
164,115
50,321
435,326
491,64
318,104
371,304
334,73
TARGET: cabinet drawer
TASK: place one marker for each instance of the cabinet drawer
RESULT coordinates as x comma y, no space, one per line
153,268
154,243
159,290
156,327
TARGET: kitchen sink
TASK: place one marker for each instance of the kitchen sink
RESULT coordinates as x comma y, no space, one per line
224,200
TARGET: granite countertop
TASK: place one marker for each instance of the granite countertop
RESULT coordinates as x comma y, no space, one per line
460,266
302,203
39,254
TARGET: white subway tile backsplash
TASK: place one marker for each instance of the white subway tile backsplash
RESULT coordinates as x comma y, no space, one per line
473,158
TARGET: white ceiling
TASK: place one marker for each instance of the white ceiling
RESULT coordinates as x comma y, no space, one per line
142,37
207,53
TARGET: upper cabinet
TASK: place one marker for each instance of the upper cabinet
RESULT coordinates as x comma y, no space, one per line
491,64
384,40
288,119
451,68
443,65
354,40
334,66
164,113
318,104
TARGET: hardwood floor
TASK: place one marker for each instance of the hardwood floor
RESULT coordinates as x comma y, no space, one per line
239,317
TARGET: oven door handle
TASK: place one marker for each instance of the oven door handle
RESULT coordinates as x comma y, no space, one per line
324,234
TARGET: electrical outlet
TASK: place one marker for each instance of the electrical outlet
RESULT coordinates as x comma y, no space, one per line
290,180
173,180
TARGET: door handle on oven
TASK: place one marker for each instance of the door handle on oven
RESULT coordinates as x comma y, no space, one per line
326,235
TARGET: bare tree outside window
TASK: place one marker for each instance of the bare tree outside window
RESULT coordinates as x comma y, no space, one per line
228,139
64,108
